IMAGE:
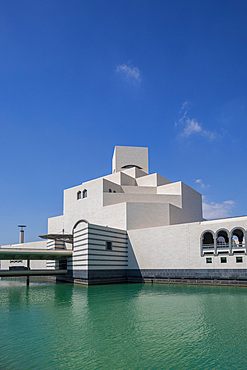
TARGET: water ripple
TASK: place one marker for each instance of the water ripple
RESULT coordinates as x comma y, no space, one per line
122,327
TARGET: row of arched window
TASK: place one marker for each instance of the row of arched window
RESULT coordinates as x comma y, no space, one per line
82,194
223,239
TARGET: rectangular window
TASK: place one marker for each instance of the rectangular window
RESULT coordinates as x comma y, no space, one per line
109,246
209,260
223,259
239,259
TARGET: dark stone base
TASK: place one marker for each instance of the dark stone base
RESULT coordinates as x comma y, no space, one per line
180,276
97,277
190,276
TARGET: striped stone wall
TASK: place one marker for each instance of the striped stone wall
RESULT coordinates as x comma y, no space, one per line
52,244
78,263
50,264
100,254
99,240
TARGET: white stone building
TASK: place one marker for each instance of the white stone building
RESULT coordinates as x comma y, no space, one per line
134,226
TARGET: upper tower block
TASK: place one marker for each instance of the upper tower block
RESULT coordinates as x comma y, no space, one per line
129,156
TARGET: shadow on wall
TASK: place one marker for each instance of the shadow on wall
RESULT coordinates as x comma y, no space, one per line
134,274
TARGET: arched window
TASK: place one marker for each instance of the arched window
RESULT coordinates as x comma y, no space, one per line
208,240
222,239
237,236
109,190
78,195
84,194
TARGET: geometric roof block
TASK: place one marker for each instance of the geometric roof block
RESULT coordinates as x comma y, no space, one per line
152,180
128,157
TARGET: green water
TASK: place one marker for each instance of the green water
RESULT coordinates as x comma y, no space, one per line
51,326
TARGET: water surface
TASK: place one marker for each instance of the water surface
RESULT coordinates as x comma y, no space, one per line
61,326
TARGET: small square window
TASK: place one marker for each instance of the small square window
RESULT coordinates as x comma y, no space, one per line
223,259
239,259
209,260
109,246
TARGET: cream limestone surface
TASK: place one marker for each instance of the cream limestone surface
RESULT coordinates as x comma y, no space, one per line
163,220
129,156
178,246
147,198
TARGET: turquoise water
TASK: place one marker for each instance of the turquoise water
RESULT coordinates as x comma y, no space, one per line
51,326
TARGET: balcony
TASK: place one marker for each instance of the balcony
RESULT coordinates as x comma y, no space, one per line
208,246
241,247
222,246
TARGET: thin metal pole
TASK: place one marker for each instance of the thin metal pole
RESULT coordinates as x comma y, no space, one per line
28,268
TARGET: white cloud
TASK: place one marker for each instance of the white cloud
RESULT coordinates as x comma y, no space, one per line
185,106
131,73
200,182
191,126
230,202
217,210
184,111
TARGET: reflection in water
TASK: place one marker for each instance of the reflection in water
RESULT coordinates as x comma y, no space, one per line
122,326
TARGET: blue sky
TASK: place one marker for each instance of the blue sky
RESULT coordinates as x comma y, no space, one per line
79,77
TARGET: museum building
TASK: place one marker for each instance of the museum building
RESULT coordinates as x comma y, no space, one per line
132,226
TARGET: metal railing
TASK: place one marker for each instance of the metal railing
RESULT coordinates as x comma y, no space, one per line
222,246
237,246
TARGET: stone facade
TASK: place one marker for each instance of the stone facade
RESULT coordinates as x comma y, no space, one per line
134,226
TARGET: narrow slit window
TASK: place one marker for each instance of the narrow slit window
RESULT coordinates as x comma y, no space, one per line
109,246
